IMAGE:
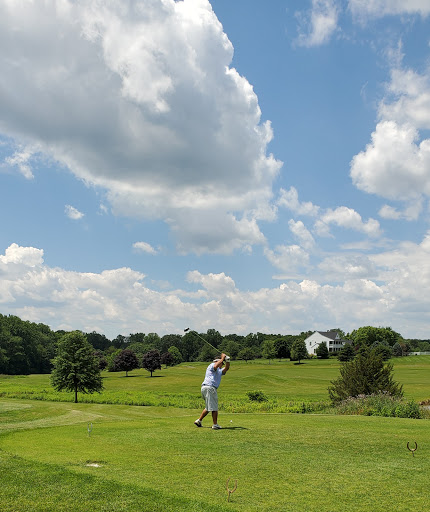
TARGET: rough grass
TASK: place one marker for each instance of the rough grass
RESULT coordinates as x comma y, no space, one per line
289,387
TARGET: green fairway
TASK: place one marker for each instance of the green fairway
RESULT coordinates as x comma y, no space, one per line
285,381
153,458
148,458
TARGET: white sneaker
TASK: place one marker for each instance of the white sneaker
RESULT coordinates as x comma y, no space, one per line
198,423
216,426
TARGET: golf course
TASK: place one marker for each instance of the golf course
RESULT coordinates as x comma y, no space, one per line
134,446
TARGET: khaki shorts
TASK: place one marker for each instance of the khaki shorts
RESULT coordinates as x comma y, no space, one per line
210,395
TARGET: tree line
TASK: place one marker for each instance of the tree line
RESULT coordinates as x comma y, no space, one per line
28,347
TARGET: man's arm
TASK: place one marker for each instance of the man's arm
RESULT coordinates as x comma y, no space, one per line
218,364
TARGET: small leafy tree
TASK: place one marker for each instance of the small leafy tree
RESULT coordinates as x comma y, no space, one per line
176,354
269,350
365,375
246,354
152,361
322,350
75,368
167,359
298,351
125,361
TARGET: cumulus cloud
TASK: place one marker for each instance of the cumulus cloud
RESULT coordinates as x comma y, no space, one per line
346,218
140,98
389,288
72,212
27,256
287,258
396,163
144,247
302,233
410,213
317,25
290,199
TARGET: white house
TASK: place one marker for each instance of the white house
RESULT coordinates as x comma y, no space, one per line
332,338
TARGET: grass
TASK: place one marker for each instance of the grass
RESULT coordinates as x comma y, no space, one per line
154,458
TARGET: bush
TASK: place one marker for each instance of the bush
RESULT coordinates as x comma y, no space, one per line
257,396
366,374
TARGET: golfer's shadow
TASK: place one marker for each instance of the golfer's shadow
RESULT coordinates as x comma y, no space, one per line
229,428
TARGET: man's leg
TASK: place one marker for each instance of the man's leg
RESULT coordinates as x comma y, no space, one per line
214,417
204,414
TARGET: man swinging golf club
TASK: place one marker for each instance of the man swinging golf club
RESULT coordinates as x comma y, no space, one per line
214,372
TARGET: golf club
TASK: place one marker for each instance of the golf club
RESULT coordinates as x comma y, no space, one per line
201,337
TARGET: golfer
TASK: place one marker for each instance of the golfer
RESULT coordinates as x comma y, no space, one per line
214,372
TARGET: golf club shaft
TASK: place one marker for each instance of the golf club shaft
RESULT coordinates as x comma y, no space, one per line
201,337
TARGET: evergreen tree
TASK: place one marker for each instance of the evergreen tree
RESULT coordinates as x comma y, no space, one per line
346,353
365,375
322,350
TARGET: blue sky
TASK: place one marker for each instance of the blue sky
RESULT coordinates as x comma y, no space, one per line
238,165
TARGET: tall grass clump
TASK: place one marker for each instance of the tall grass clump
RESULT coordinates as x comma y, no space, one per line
379,404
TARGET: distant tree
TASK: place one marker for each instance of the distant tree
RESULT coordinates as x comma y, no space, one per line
365,375
176,354
101,359
246,354
282,347
167,359
322,351
153,340
98,341
346,353
191,345
269,350
120,341
298,351
397,350
230,348
207,353
125,361
152,361
368,335
385,350
75,368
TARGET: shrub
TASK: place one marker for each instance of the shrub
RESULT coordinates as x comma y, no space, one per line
379,404
366,374
257,396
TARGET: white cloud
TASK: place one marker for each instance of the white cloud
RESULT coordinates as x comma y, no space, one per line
389,288
140,98
72,212
144,247
411,212
290,199
27,256
346,218
302,233
287,258
393,165
408,99
22,160
317,26
378,8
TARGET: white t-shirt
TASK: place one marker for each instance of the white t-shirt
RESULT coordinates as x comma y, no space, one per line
213,376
